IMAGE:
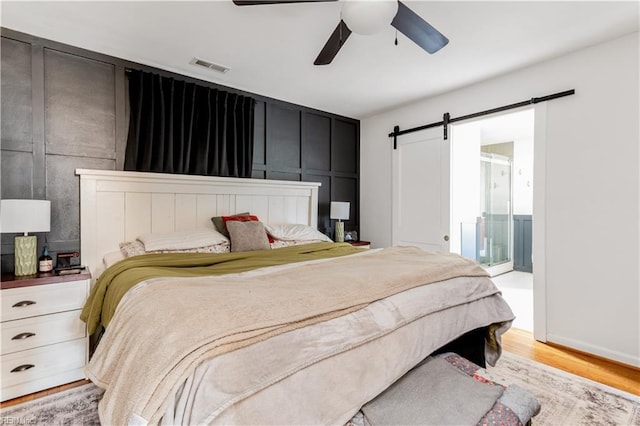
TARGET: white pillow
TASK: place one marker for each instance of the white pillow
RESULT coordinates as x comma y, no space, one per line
299,232
112,257
181,240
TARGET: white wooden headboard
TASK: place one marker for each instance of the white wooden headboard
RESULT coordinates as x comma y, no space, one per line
119,206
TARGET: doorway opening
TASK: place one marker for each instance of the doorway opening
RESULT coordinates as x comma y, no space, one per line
492,203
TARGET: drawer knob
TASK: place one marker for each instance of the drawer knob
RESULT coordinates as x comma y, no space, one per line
23,336
24,303
22,367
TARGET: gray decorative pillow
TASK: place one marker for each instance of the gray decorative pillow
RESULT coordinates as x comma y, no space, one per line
218,222
248,236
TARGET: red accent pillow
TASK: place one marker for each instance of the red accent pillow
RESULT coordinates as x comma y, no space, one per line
245,218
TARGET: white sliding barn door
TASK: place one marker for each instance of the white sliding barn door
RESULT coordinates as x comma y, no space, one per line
420,212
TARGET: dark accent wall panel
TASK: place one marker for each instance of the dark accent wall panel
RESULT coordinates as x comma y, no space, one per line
63,189
317,142
283,176
80,113
65,108
16,131
17,118
17,172
17,182
283,138
345,146
324,201
258,174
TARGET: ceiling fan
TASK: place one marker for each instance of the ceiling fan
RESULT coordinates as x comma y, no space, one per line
367,17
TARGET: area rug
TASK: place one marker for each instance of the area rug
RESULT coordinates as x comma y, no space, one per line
75,406
566,400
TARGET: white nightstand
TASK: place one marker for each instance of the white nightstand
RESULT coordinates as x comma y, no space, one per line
44,342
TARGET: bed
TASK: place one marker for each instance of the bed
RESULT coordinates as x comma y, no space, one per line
308,337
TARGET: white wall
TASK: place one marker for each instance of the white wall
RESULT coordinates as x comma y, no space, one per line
523,176
591,190
465,181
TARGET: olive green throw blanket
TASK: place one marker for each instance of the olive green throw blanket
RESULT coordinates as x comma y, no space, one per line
112,285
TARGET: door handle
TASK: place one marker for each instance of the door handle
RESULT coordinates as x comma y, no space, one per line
446,238
24,303
23,367
23,336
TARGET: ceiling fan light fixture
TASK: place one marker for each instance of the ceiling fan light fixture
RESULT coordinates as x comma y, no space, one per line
368,16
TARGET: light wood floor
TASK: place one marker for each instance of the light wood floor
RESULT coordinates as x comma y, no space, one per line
516,341
611,373
40,394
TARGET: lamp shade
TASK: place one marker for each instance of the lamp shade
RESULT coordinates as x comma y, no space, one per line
23,216
339,210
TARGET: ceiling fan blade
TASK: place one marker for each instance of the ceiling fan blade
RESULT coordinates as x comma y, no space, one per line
418,30
333,45
259,2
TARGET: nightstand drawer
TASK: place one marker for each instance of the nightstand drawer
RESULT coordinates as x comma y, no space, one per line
31,333
26,302
36,364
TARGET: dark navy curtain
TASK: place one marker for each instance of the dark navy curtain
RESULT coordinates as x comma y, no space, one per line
180,127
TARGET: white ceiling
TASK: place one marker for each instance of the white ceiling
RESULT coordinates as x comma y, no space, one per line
271,48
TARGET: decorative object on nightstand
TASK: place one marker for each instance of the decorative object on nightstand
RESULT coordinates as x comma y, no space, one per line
351,236
339,211
24,216
44,342
67,260
68,263
45,262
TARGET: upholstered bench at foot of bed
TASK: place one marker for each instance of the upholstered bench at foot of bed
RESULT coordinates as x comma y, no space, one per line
449,389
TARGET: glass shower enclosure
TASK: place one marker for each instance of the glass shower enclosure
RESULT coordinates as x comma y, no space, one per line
494,225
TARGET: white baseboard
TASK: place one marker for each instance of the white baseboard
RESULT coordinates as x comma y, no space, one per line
595,350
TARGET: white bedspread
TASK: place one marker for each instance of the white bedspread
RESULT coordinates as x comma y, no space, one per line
324,373
319,374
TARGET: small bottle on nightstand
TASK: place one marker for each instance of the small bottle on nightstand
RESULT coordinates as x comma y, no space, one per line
45,262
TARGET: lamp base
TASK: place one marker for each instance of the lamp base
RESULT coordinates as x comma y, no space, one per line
339,232
26,257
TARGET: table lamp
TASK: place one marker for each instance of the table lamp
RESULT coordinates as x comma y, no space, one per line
24,216
339,211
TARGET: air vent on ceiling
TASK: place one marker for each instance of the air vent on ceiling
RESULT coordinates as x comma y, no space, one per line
210,65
